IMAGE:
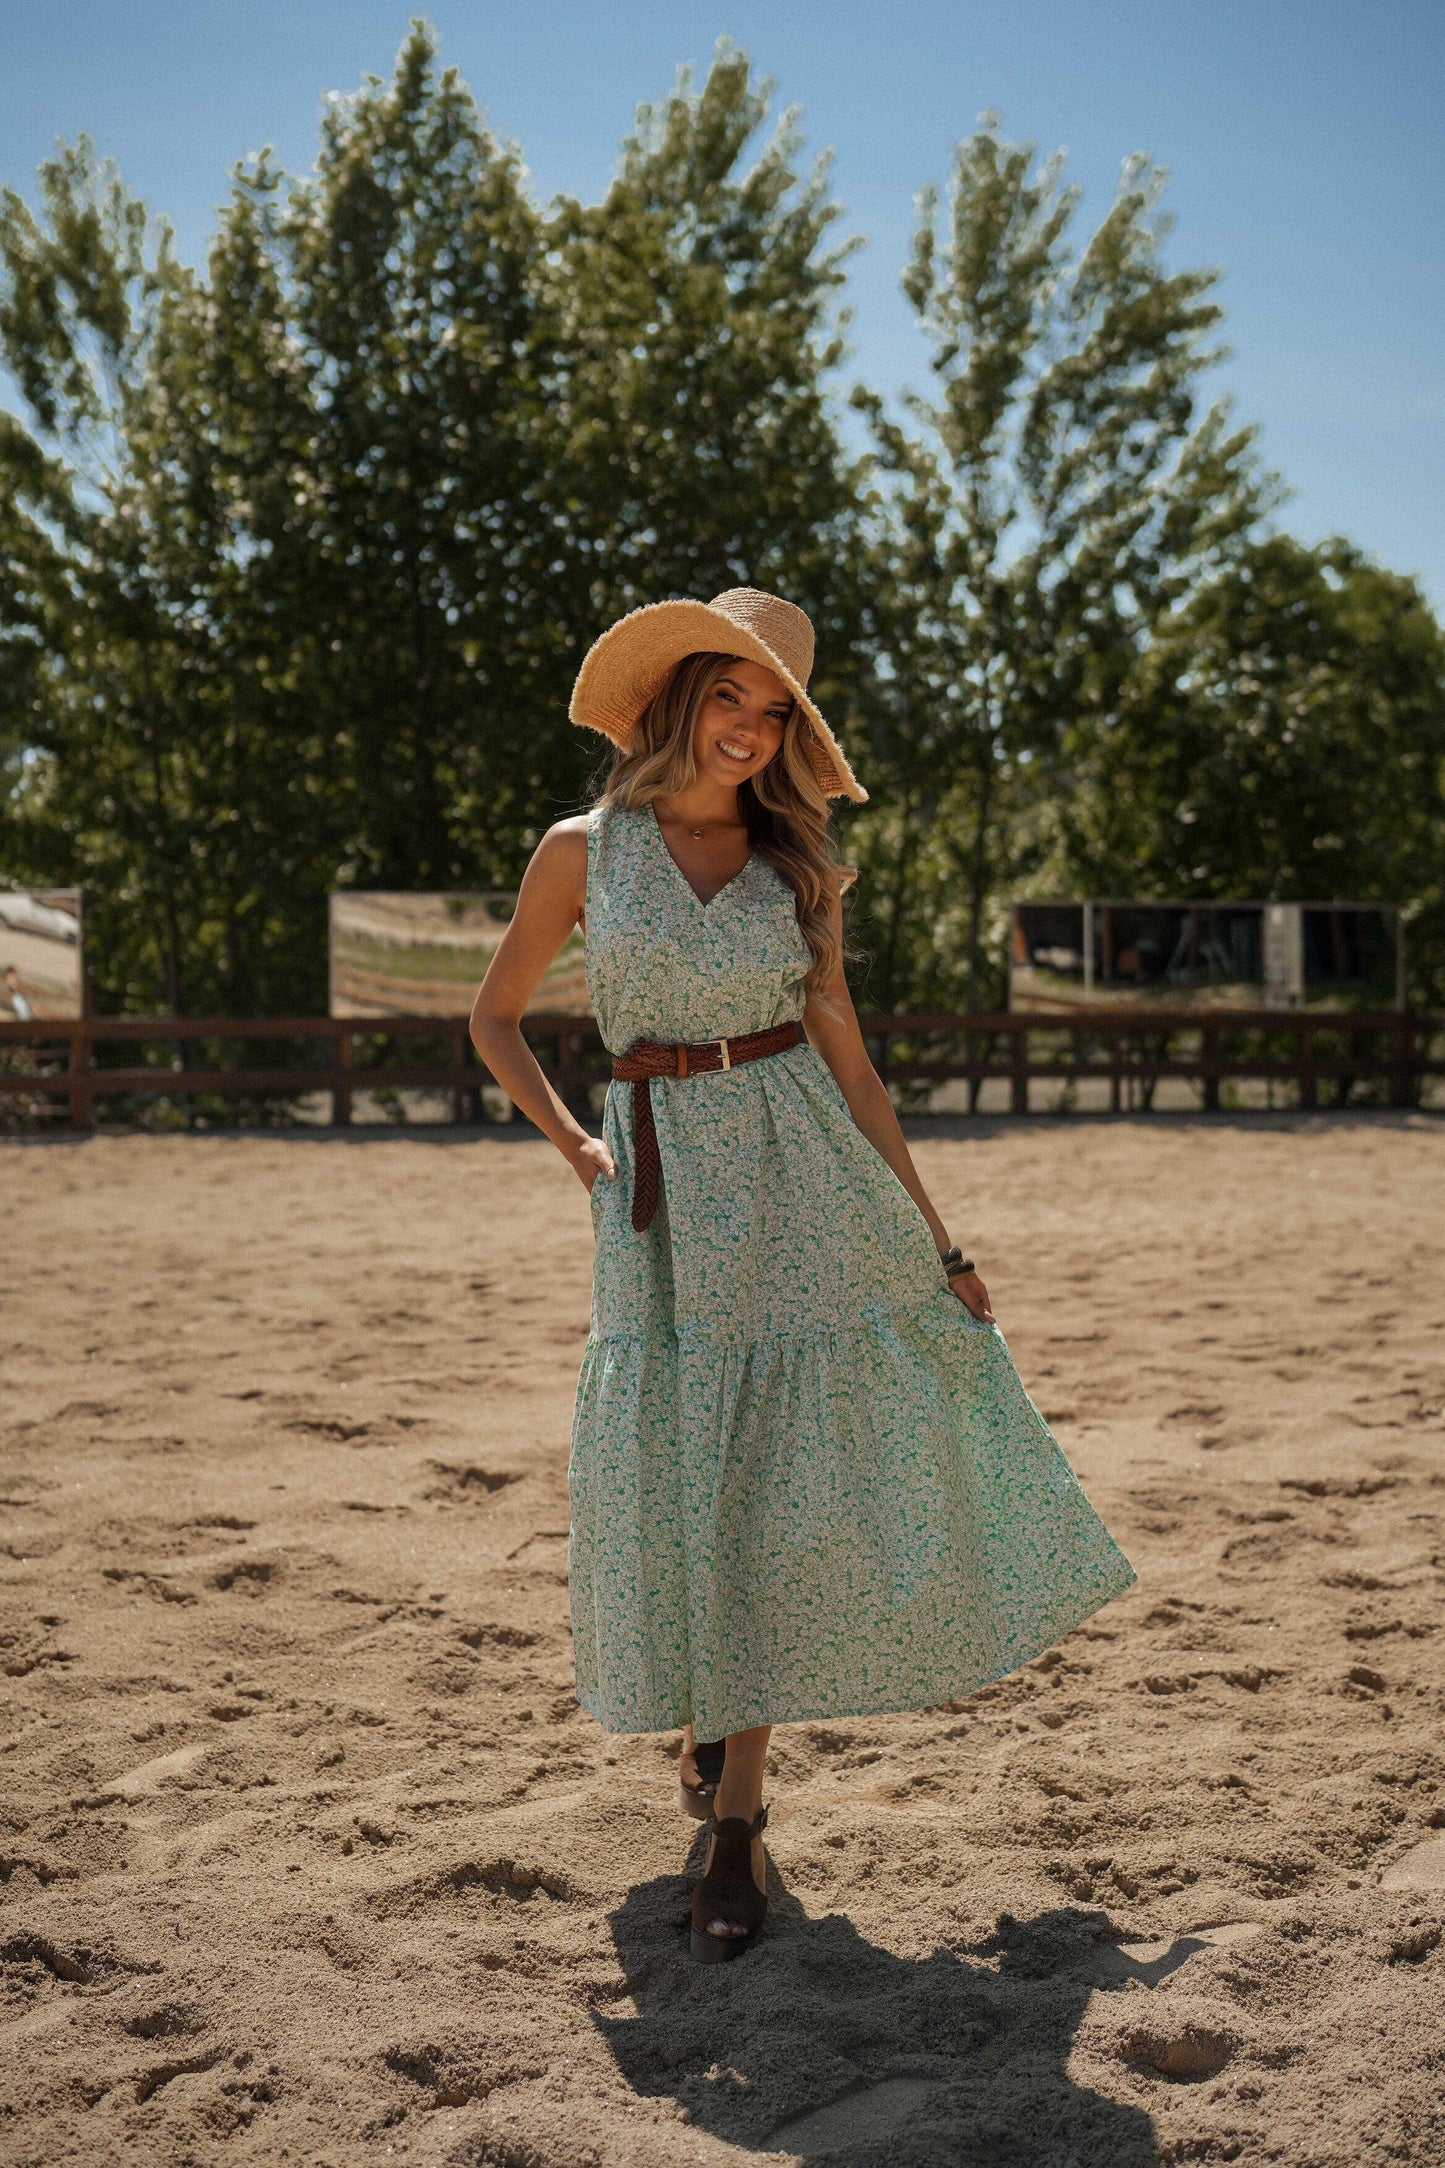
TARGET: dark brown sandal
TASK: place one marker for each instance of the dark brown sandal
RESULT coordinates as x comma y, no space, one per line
728,1892
696,1799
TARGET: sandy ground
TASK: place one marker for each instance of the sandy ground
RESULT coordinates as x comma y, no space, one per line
308,1854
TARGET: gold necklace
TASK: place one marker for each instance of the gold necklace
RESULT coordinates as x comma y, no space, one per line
697,833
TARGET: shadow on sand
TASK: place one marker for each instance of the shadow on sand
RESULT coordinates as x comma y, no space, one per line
820,2045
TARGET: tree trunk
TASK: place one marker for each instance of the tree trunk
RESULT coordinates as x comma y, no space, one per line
978,863
173,947
907,850
978,859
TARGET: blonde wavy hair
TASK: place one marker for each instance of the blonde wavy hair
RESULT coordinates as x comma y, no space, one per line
784,805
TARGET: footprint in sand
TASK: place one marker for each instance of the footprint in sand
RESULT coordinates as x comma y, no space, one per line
466,1482
150,1776
872,2114
1422,1867
868,2115
1185,2052
1151,1962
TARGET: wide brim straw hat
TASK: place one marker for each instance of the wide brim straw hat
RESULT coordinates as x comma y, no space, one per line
627,668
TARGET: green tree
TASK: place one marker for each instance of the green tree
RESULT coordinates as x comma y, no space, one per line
221,450
697,307
98,740
1284,736
160,760
299,552
410,271
303,550
1058,499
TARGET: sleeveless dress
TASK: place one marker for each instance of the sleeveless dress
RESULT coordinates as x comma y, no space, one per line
805,1481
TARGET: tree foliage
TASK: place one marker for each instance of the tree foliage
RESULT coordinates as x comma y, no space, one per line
98,640
697,312
303,551
1284,736
300,549
1058,498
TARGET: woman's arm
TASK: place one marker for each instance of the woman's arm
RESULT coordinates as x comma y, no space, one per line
549,905
833,1030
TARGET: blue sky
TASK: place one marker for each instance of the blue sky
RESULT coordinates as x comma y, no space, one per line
1305,139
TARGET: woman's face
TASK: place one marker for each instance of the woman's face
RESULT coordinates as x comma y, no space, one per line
741,723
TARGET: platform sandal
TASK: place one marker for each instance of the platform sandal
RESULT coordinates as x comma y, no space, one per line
696,1799
728,1892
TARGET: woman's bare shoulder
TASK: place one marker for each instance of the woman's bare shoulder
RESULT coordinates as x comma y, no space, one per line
561,856
566,839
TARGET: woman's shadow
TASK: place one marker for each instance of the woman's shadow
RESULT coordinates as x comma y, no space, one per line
819,2044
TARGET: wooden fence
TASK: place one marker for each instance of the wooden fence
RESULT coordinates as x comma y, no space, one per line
1328,1057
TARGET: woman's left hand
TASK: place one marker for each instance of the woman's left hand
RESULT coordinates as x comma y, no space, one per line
972,1293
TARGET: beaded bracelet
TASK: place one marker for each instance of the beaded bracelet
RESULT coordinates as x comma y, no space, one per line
954,1263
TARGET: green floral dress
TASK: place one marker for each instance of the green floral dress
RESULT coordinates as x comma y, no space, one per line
805,1481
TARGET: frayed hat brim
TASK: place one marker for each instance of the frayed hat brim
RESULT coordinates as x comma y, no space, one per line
628,666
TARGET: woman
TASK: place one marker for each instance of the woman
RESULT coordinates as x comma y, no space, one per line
806,1481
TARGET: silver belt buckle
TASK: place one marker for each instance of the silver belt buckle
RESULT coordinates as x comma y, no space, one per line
726,1056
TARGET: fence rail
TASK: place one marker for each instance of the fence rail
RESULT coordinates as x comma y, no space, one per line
1130,1049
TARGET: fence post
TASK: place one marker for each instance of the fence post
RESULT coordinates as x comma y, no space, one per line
82,1094
1209,1062
1308,1096
565,1074
571,1077
1019,1080
341,1086
1402,1053
458,1036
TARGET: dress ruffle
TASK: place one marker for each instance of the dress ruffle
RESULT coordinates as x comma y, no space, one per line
761,1535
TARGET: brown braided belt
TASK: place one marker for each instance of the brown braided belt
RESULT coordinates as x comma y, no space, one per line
651,1057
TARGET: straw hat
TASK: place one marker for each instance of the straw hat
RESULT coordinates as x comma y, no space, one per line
627,668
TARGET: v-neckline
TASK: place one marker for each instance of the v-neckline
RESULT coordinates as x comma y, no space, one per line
731,882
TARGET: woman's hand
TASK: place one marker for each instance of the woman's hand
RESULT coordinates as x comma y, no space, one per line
591,1159
972,1293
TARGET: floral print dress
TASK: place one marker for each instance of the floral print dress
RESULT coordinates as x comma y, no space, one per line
805,1481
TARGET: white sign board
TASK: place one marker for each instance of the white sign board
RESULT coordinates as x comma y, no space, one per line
41,960
401,955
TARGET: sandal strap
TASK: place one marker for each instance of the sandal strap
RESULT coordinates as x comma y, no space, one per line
754,1828
708,1756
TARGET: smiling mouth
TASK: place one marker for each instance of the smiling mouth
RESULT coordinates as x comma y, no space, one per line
733,752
